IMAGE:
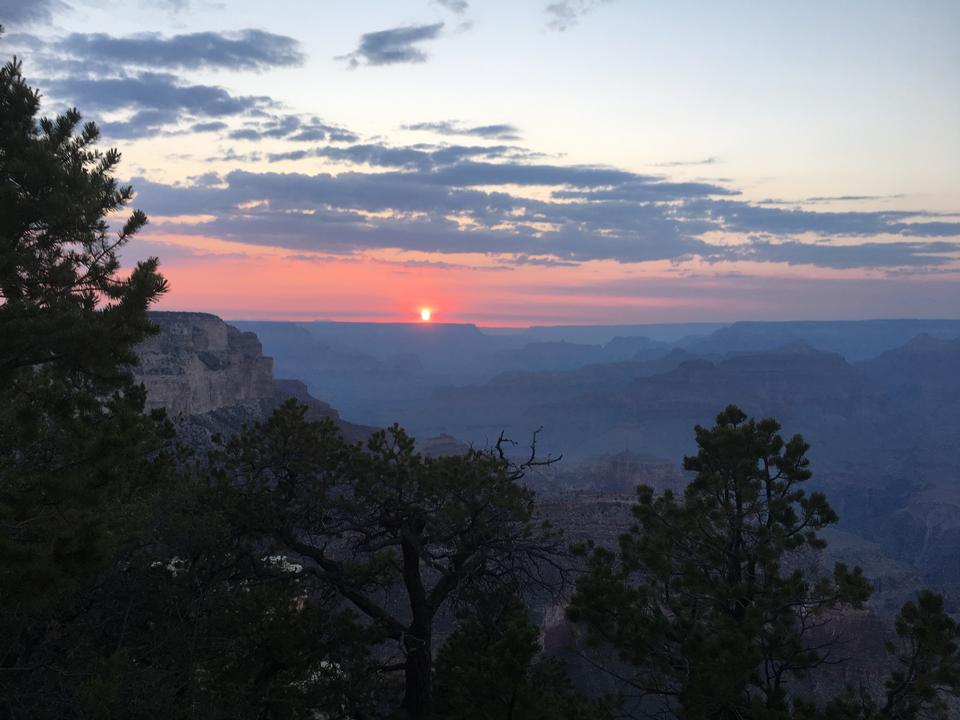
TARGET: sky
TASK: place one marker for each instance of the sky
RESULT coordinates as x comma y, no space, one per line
519,162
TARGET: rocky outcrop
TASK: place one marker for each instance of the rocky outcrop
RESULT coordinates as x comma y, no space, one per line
197,364
214,379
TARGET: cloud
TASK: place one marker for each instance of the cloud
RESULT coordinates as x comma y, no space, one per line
155,101
469,166
243,50
131,77
473,173
852,198
643,190
747,218
213,126
455,6
144,123
294,128
566,13
14,13
396,45
844,257
434,203
159,91
419,157
687,163
451,127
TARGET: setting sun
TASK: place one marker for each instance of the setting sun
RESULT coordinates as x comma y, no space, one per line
425,315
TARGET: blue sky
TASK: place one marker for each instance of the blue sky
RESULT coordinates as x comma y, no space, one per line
479,156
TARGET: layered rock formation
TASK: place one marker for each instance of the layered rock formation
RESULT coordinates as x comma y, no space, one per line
197,364
213,378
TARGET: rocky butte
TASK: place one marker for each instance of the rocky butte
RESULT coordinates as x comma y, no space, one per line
213,378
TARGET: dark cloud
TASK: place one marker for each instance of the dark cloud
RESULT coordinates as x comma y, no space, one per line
421,157
317,131
243,50
213,126
566,13
541,261
471,173
455,199
451,127
743,217
155,103
209,179
424,157
160,91
456,165
294,128
644,190
396,45
437,209
125,83
825,199
852,198
14,13
844,257
290,155
144,123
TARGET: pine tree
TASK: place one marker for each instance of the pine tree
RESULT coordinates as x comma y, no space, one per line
492,668
74,443
711,598
925,678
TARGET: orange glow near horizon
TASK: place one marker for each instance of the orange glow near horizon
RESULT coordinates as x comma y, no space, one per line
246,282
425,314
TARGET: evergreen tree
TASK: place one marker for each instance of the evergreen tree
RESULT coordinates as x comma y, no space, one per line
491,668
198,622
711,597
925,679
74,443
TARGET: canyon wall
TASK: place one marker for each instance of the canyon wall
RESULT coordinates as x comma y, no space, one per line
197,364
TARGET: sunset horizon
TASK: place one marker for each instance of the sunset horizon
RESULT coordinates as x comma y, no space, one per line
644,165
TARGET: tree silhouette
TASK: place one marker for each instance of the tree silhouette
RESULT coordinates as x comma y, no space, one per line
400,537
710,597
74,443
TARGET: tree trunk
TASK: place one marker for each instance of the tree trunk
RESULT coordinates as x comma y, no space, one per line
418,640
418,671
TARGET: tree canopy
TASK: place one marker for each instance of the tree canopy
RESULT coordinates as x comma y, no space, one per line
717,601
383,524
74,443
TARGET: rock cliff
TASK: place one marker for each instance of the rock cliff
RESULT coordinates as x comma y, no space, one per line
213,378
197,364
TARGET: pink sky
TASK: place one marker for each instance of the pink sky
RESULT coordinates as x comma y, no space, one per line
248,282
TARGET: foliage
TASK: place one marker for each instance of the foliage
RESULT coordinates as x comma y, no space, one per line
925,674
385,522
709,596
491,668
216,628
75,447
